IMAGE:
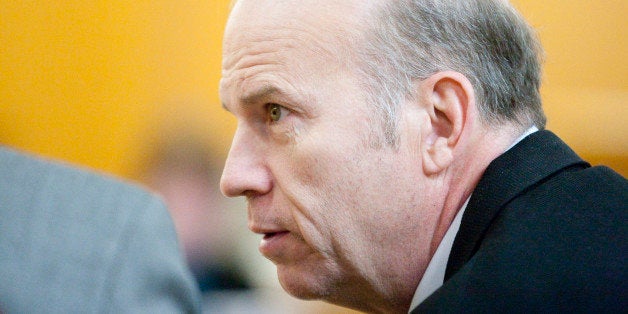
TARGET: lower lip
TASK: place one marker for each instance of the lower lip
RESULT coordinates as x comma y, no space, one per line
273,244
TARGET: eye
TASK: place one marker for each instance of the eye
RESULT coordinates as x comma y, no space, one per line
275,112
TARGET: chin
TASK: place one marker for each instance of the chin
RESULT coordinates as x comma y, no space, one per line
305,285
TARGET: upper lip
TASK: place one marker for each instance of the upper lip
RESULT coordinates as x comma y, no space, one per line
262,219
262,229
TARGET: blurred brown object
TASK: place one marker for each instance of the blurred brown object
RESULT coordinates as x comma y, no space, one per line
182,169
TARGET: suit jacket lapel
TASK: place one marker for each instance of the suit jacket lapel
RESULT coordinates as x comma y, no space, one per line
530,161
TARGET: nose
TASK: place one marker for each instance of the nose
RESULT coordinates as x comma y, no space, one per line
245,172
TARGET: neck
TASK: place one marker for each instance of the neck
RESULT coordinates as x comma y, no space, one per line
470,162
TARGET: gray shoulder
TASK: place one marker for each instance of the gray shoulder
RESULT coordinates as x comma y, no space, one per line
33,182
64,232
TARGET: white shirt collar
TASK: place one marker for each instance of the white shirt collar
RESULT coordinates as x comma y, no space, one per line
434,275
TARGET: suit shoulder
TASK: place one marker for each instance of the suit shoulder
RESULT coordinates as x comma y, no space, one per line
559,246
595,189
49,203
73,231
29,181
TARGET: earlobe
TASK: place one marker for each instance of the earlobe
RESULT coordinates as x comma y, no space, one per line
446,97
437,156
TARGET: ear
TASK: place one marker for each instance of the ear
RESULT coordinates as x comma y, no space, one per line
447,97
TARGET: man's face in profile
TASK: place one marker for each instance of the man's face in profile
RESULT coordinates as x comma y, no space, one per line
327,193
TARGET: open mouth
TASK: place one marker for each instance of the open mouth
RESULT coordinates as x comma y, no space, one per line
270,235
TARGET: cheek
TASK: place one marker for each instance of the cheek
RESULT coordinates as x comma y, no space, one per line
323,156
312,175
352,188
325,171
326,182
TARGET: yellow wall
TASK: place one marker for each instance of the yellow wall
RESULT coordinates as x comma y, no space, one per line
585,89
86,81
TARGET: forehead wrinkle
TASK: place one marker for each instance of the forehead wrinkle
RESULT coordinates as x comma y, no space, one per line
253,52
244,64
257,68
248,56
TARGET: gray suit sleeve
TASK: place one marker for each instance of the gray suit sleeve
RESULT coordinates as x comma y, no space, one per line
148,274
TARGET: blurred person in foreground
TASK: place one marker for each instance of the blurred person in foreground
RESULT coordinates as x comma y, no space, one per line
394,159
183,171
75,241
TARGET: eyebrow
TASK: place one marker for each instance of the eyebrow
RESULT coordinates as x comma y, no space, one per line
254,96
261,93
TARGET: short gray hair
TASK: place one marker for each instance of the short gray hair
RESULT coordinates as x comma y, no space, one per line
488,41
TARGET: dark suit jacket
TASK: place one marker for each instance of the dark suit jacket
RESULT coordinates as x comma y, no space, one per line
72,241
543,232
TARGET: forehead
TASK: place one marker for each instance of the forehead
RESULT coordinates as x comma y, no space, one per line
284,40
323,25
287,13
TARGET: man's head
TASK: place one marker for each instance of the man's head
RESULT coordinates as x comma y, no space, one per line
361,132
